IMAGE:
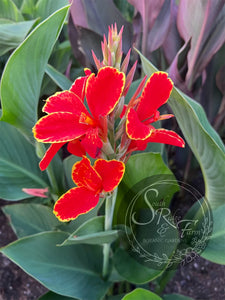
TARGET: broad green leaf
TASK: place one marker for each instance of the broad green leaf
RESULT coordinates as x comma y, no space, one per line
73,271
141,294
216,247
18,165
131,270
12,34
92,232
28,7
68,164
54,296
139,167
22,77
202,139
18,3
98,238
58,62
149,249
8,10
45,8
143,165
27,219
61,80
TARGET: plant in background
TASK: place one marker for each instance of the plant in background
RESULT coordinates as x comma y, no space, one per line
98,122
184,39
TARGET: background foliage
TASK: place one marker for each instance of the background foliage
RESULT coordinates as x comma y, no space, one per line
43,48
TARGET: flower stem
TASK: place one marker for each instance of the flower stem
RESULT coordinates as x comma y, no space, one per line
109,210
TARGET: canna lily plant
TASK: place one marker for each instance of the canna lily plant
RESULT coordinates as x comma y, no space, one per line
95,133
69,226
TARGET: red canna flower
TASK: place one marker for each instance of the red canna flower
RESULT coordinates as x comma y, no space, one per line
68,120
104,176
144,111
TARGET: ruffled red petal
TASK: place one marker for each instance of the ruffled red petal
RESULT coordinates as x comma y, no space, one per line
75,202
83,174
156,92
135,129
49,154
65,102
59,127
75,147
104,91
166,137
92,143
111,173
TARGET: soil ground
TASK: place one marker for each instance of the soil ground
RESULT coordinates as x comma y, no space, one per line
201,279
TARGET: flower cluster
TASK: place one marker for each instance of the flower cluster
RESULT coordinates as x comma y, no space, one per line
92,119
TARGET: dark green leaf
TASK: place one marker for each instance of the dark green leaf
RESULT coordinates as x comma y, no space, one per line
125,265
73,271
54,296
216,247
61,80
28,219
18,165
92,232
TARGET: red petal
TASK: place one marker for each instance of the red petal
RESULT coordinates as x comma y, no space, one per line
137,145
166,137
92,143
104,91
156,92
123,111
59,127
65,102
87,71
75,147
49,154
78,87
75,202
111,173
84,174
134,128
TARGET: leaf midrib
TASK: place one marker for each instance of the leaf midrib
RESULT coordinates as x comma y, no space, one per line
25,172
